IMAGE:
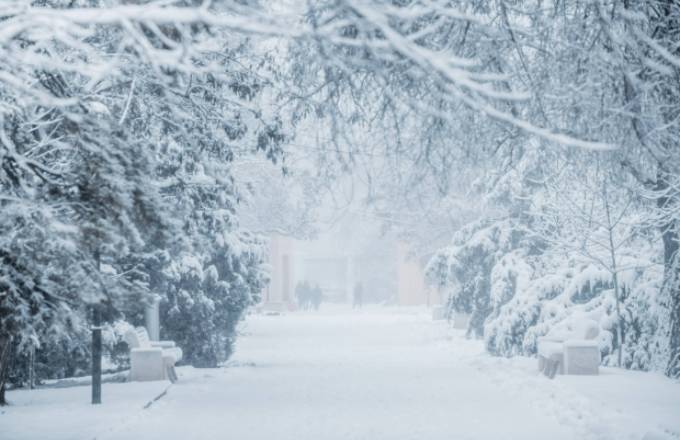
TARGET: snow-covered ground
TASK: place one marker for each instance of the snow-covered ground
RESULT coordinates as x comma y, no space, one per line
374,374
66,413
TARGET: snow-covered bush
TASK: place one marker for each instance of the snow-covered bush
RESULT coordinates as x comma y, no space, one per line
465,268
116,143
520,294
208,295
68,353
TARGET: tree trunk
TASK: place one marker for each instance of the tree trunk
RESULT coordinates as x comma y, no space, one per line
671,278
669,233
666,28
619,324
5,360
615,276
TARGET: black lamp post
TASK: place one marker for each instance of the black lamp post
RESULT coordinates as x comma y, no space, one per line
96,356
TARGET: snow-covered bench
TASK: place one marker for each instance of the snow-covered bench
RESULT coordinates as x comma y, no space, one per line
571,351
151,360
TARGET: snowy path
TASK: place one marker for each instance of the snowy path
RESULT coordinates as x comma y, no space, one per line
374,375
379,375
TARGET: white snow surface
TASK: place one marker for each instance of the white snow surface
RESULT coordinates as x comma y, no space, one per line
380,373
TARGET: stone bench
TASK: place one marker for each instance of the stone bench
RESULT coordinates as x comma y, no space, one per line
151,360
573,351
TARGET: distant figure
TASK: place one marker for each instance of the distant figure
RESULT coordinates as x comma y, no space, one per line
298,292
358,296
316,297
303,292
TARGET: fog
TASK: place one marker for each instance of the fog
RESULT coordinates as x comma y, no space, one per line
339,219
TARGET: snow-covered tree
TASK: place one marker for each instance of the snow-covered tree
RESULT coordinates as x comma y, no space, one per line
117,137
467,268
207,297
